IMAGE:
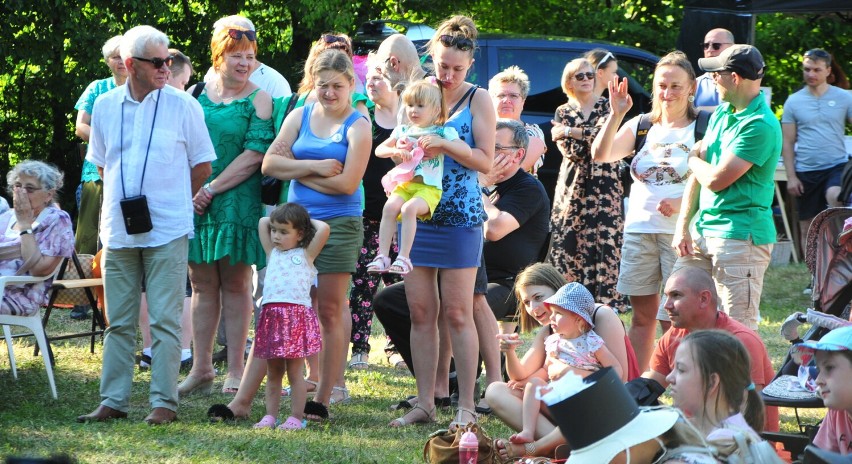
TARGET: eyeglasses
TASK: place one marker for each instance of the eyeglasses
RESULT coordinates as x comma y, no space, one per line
583,76
462,43
499,147
508,96
606,58
28,188
157,62
715,45
238,34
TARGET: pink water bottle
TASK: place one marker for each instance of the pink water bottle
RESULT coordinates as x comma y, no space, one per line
468,448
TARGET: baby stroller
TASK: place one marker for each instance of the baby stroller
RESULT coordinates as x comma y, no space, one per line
830,265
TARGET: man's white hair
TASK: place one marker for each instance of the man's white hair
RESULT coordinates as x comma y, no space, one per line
134,41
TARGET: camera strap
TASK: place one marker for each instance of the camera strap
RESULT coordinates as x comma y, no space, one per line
147,150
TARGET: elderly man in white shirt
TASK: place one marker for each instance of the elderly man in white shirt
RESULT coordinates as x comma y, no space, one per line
152,148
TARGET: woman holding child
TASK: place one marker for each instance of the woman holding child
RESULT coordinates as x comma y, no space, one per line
449,245
533,286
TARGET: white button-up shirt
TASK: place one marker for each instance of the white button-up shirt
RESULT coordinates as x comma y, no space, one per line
179,141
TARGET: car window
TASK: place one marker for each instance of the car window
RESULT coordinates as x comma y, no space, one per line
543,66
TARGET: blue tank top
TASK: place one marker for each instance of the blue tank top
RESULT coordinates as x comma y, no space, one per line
310,147
461,200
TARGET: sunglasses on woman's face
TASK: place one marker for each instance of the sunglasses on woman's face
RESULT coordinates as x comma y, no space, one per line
583,76
237,34
157,62
462,43
715,45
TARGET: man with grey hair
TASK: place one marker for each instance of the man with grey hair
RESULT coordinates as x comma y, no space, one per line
146,220
731,190
715,42
262,76
401,63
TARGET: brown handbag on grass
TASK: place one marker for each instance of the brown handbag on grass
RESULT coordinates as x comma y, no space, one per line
442,447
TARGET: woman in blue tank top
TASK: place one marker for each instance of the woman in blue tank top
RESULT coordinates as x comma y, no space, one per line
330,147
449,245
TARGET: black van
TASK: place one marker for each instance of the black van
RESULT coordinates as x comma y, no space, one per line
543,59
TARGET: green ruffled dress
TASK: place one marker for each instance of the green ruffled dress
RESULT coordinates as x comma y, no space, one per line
229,226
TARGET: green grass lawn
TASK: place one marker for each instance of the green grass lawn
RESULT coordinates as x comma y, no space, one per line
33,424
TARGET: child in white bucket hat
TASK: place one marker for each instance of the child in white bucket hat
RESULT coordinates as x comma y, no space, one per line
573,347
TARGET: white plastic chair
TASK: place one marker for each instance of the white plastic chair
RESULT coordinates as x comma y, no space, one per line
33,323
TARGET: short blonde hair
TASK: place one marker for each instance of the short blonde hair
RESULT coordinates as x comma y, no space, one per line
222,43
512,75
427,94
570,70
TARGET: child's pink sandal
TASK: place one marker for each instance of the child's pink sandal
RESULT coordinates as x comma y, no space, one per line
401,266
268,422
293,424
379,264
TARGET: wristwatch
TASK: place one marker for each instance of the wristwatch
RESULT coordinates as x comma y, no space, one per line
26,232
489,190
207,188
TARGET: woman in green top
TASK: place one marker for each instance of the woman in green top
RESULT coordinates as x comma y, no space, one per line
226,244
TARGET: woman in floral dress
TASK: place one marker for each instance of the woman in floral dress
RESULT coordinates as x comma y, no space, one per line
586,219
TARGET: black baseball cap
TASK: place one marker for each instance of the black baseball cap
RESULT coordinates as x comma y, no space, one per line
745,60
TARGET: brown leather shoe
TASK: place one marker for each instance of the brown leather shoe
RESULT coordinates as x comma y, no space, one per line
161,416
102,413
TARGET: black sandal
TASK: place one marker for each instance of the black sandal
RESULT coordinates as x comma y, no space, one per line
441,403
220,413
318,410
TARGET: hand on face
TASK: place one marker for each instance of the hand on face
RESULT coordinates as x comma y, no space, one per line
24,213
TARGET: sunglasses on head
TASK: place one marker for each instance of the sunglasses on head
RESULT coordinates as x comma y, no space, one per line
609,56
583,76
462,43
715,45
157,62
818,53
237,34
331,38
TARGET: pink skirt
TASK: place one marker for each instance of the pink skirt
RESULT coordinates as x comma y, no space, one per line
287,331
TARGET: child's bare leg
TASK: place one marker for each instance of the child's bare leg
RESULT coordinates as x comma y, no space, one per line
531,407
298,387
274,374
410,211
387,228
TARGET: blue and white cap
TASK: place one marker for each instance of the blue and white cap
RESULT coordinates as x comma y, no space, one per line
839,339
576,298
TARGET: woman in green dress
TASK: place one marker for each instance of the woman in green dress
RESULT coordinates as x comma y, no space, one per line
228,207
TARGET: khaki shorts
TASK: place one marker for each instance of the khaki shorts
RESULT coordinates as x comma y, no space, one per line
341,251
737,267
646,263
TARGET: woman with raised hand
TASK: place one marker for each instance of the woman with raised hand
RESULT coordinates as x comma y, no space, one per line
226,244
659,173
323,148
449,245
586,218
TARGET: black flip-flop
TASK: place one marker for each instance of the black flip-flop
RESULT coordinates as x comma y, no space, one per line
404,404
313,408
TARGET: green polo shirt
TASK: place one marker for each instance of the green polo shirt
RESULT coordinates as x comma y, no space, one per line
742,211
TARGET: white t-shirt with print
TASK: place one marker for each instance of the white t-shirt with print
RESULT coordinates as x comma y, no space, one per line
659,170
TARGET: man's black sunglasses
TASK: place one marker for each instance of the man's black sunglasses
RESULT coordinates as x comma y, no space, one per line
715,45
818,53
157,62
462,43
237,34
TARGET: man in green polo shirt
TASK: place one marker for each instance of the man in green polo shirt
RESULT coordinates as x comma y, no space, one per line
730,192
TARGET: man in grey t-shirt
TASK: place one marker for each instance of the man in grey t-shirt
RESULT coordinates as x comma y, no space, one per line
813,126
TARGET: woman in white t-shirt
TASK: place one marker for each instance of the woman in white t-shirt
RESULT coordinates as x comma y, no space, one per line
659,171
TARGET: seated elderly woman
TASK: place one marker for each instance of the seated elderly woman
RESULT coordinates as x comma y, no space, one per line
36,234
